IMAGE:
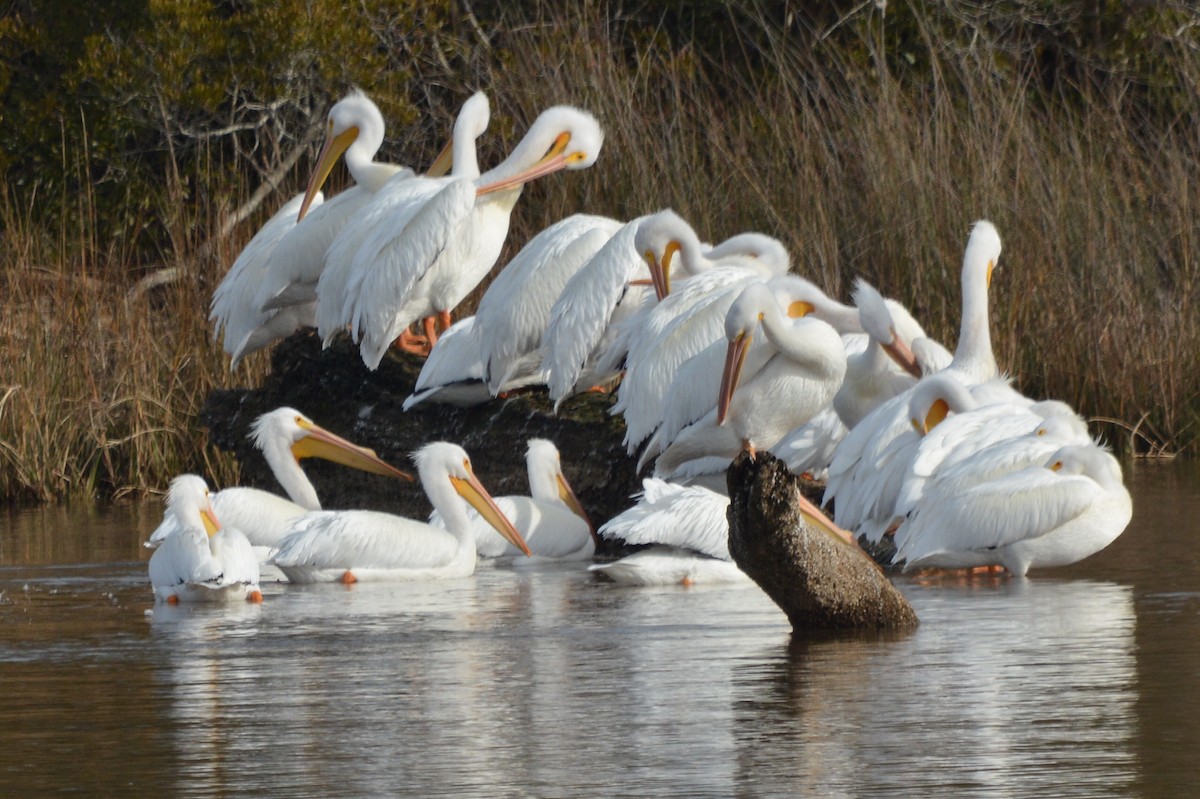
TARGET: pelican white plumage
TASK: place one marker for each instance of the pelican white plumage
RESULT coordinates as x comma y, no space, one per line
607,288
957,473
514,312
855,464
356,250
281,297
1038,517
443,250
689,531
360,545
284,436
453,372
233,310
656,341
551,519
789,377
200,561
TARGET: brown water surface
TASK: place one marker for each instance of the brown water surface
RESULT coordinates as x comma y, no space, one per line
547,682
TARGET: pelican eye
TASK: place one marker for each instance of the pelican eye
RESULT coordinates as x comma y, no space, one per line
1041,431
578,155
1054,467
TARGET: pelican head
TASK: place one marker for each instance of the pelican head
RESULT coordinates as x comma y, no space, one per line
876,319
189,500
983,250
546,477
459,152
935,398
658,238
288,430
562,137
442,461
354,121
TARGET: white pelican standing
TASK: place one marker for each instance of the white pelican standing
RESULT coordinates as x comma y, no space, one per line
551,519
285,437
1038,517
200,561
795,371
355,251
360,545
276,290
233,310
442,251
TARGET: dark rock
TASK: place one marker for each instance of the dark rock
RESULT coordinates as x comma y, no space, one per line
334,388
819,582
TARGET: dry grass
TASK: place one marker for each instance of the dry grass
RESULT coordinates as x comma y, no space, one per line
860,174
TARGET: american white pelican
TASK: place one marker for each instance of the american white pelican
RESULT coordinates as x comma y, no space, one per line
354,545
885,365
361,244
955,474
855,463
687,318
278,290
975,427
686,525
200,561
760,394
865,496
606,289
1037,517
551,520
442,251
879,365
233,310
689,529
515,310
284,436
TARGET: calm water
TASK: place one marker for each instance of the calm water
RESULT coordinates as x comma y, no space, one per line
546,682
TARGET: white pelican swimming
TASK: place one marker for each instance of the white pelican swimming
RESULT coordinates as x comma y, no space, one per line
686,525
200,561
514,312
854,468
285,437
269,293
551,520
354,545
430,262
1038,517
760,394
358,248
689,530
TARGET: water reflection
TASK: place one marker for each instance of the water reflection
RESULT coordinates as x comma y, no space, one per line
546,681
1040,683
